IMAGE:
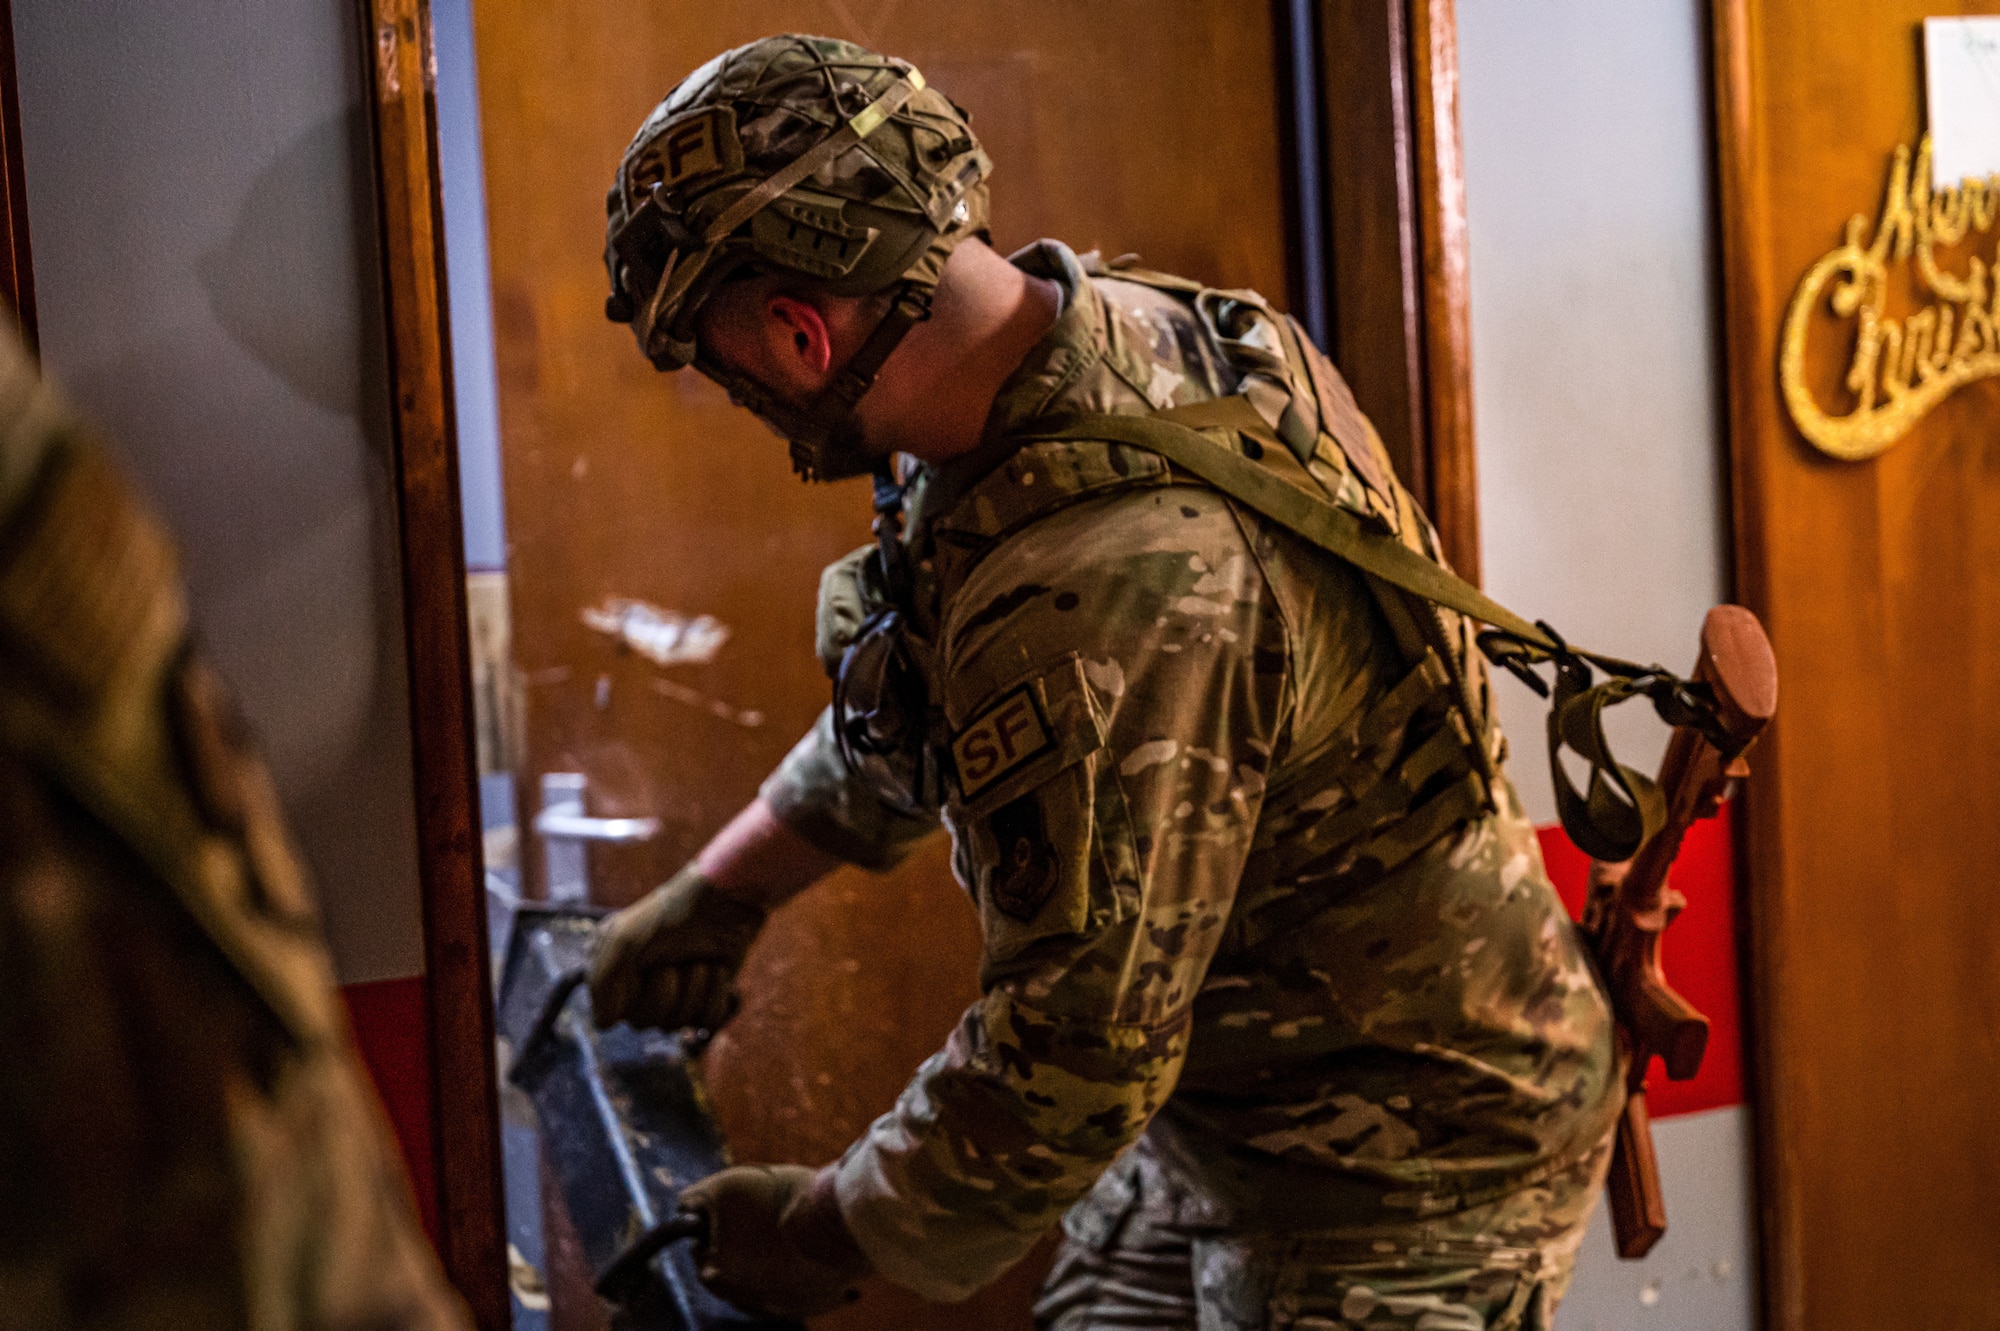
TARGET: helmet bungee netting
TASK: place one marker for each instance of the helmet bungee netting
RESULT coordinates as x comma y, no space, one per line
806,157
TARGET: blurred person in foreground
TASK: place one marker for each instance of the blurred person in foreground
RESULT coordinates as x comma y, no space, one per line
187,1138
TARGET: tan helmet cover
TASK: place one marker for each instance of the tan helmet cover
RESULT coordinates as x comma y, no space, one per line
802,155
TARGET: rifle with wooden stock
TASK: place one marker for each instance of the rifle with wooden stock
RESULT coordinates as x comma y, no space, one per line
1624,820
1631,904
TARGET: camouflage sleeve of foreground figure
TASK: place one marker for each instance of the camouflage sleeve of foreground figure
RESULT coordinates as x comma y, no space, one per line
186,1136
1116,680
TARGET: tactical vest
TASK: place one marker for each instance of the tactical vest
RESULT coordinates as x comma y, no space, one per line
1290,444
1424,758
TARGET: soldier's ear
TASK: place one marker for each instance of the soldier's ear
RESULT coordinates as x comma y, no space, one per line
799,340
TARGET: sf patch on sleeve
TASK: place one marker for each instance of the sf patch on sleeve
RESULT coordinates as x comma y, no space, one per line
1003,739
1029,812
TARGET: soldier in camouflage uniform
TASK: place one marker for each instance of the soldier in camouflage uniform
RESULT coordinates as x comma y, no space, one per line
187,1139
1282,1019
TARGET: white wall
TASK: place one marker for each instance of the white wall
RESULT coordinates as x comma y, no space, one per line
1598,410
201,216
1596,387
475,378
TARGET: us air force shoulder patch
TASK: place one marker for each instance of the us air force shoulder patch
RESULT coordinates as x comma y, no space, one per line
1025,872
1002,739
1027,807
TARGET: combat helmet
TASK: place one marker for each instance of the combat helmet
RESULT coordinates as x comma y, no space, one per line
793,155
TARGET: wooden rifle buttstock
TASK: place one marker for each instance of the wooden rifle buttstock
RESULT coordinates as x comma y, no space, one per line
1671,1027
1638,1207
1631,906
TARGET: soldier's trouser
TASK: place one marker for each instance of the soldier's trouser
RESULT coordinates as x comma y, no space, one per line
1128,1260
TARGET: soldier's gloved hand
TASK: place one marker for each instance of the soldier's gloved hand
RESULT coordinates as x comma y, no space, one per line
670,959
776,1240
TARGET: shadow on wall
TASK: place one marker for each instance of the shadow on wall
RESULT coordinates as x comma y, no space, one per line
297,520
273,292
279,482
295,284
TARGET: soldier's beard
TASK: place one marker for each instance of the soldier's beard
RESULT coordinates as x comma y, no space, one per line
833,453
822,449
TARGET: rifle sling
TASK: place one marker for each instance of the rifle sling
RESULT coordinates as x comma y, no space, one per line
1175,435
1621,807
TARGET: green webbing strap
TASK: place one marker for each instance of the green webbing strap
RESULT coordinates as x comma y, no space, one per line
1621,807
1175,436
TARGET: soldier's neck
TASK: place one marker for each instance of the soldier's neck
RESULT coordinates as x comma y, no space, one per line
934,394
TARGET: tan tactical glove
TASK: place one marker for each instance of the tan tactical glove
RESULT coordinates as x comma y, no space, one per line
670,960
776,1240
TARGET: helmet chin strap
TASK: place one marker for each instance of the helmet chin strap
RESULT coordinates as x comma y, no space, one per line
825,436
840,450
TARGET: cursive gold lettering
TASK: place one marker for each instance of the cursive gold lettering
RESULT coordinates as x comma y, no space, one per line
1900,369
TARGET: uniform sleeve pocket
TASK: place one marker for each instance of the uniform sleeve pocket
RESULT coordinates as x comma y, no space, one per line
1024,734
1041,834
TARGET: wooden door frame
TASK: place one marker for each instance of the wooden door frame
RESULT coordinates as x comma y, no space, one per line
17,270
1749,227
465,1136
1374,185
1743,231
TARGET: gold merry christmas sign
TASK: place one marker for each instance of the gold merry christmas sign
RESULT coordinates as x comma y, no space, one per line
1901,368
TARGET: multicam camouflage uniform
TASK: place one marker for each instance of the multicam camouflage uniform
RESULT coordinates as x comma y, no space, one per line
1275,985
186,1137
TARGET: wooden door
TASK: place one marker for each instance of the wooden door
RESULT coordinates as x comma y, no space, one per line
1875,821
1146,125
